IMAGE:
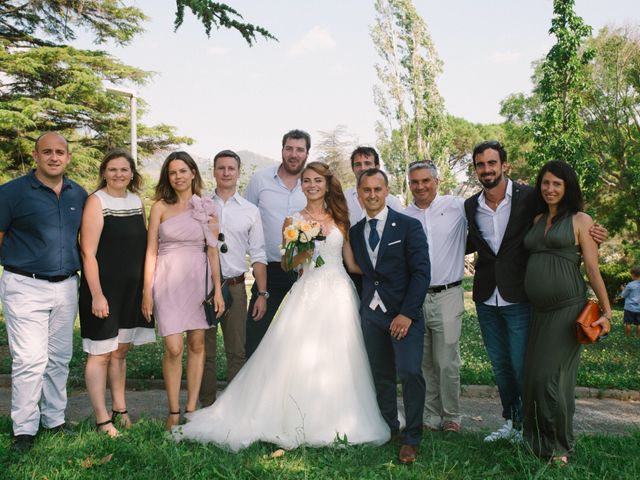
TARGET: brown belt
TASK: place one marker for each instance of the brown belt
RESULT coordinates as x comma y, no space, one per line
235,280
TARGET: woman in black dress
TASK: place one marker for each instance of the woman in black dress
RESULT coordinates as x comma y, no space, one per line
113,243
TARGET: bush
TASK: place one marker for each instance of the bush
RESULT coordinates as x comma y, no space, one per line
615,275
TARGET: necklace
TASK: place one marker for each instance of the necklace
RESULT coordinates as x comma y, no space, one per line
324,216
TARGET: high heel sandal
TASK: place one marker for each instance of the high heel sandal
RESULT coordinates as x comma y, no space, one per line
170,424
111,433
124,421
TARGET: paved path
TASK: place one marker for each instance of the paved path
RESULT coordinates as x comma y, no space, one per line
480,413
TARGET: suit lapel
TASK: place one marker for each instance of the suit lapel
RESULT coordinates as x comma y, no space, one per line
472,221
361,245
389,226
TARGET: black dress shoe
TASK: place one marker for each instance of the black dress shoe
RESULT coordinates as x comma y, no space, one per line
23,443
62,428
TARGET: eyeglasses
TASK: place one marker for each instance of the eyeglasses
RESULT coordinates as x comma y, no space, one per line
223,247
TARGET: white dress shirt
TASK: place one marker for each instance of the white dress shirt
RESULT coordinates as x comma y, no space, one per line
357,213
275,202
376,301
445,223
492,226
242,228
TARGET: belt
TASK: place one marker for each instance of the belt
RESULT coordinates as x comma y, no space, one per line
235,280
439,288
274,264
48,278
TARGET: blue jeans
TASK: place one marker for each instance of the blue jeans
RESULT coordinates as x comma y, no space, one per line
505,331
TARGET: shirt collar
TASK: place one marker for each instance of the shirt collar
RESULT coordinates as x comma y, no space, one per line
435,200
508,192
35,183
236,196
381,216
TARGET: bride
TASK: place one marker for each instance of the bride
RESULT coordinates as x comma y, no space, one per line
309,381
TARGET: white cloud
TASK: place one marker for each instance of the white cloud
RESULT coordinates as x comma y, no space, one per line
504,57
217,51
314,40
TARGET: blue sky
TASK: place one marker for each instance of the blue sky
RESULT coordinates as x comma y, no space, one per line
320,73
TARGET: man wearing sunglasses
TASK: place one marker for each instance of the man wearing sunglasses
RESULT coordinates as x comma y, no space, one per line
240,235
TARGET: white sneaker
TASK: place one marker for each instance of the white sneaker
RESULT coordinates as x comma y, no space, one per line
506,432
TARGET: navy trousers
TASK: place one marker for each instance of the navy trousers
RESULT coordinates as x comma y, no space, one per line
401,359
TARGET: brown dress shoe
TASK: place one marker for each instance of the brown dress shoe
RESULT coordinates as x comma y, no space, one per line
408,454
450,426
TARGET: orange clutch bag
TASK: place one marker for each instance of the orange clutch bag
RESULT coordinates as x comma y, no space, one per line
585,331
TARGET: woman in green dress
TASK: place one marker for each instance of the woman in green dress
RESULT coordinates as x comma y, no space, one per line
557,292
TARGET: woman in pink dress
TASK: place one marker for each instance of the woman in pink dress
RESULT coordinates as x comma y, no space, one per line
181,223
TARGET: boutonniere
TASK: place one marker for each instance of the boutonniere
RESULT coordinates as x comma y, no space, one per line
393,224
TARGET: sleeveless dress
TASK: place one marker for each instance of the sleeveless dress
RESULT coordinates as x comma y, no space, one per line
557,292
120,257
309,382
179,278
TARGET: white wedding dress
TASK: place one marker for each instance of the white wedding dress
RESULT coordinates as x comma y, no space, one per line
309,382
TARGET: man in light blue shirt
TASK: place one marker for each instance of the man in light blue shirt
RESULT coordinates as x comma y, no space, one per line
277,193
631,295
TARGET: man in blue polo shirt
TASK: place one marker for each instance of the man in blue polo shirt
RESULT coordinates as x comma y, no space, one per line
40,216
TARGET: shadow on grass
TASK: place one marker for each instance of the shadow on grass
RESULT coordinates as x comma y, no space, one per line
145,452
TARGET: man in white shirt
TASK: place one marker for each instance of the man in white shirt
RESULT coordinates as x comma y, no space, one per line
364,158
277,193
445,224
240,235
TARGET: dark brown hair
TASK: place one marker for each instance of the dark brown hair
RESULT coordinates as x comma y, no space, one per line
164,191
136,181
334,198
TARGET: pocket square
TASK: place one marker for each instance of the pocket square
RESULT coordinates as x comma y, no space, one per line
393,243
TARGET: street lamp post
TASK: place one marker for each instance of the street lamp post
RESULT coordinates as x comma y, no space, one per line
133,97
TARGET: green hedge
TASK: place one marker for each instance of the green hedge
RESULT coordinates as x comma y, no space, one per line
615,275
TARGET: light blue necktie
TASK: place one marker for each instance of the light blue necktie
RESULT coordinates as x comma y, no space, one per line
374,238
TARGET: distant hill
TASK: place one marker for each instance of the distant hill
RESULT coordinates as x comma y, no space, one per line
250,163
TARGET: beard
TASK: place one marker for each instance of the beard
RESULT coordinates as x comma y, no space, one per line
489,184
293,171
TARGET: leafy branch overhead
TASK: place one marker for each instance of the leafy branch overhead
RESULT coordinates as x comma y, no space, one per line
213,14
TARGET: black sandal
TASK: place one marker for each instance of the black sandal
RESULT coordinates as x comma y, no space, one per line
115,414
99,425
167,426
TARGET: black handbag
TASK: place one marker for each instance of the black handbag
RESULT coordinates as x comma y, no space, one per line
208,304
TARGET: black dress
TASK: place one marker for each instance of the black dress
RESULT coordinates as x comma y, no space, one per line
120,257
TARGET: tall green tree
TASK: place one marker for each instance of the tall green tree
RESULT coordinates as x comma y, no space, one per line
558,128
47,85
407,96
612,124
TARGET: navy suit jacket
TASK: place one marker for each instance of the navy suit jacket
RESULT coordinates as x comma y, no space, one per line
402,272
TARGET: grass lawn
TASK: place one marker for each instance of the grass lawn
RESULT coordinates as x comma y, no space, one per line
145,452
612,363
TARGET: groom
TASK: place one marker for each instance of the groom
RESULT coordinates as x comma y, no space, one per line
391,250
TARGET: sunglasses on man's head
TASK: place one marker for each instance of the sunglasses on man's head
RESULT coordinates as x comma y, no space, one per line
223,247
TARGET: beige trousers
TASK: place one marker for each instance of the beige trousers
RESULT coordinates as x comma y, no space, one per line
441,356
234,333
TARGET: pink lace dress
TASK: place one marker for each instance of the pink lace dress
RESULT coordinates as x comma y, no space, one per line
178,283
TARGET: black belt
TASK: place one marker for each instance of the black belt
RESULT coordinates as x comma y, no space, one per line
439,288
274,264
48,278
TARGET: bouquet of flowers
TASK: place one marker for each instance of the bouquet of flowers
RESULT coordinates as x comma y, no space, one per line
301,236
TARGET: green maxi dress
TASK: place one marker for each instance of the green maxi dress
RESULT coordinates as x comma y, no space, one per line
557,292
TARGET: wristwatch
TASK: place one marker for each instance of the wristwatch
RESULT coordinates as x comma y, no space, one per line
264,294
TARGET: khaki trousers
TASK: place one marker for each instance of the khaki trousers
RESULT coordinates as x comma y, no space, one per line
234,333
441,356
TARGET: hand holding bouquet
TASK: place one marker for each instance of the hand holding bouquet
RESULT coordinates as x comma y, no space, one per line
301,236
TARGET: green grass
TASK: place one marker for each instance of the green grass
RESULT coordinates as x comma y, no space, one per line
612,363
145,452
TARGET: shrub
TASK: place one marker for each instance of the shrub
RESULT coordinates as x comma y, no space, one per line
615,275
